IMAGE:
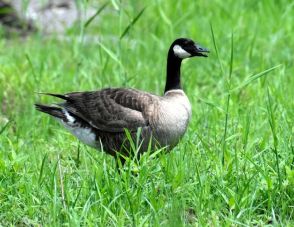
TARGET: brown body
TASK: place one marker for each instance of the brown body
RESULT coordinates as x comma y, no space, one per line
110,112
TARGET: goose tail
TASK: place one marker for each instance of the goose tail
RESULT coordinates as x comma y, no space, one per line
51,110
64,97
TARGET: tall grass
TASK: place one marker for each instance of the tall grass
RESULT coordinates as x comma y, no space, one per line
233,167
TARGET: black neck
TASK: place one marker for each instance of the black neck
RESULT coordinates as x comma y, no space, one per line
173,72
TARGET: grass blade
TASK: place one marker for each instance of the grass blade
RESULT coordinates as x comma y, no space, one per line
212,104
255,77
216,49
132,23
232,57
272,123
228,102
42,168
165,18
62,192
32,68
4,127
77,197
130,139
110,53
88,22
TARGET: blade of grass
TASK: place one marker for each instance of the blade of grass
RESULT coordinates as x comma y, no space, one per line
182,18
4,127
32,68
232,58
216,49
77,197
62,192
88,22
111,54
212,104
77,160
164,17
132,23
228,101
246,131
130,139
272,122
138,138
42,168
115,5
255,77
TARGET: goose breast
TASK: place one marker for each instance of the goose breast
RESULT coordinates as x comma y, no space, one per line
172,118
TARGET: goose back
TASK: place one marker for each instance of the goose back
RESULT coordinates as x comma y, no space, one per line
111,109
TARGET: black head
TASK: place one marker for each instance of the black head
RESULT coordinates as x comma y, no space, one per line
187,48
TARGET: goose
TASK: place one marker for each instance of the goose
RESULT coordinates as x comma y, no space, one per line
100,118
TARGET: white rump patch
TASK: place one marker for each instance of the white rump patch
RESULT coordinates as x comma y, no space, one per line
85,135
180,52
69,118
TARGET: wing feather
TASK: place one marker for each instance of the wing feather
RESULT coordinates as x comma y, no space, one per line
111,109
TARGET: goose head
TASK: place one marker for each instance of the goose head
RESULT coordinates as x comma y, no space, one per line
180,49
186,48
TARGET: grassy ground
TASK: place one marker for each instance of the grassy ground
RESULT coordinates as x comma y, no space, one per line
235,165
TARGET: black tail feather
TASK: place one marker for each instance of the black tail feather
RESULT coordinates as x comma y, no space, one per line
65,97
51,110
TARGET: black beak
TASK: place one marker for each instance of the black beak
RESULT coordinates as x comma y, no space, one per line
200,51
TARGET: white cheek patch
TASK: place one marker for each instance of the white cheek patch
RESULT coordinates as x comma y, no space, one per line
180,52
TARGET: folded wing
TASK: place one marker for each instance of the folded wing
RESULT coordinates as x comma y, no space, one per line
111,109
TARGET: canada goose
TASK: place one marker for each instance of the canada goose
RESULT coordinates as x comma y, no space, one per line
99,118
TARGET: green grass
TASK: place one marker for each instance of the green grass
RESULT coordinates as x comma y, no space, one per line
235,165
